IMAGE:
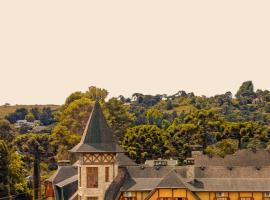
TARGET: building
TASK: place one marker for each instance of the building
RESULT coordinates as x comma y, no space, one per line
104,172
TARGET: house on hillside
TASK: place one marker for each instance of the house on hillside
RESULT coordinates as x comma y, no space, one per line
103,171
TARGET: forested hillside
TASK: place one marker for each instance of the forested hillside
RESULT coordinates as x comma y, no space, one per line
146,126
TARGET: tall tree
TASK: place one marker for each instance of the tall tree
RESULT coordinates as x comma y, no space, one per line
38,148
4,170
6,132
119,116
246,93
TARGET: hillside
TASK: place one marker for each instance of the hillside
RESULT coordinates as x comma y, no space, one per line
5,110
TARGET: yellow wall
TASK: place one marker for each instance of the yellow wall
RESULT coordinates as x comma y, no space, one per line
188,194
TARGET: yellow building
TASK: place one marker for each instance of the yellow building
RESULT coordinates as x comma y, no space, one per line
104,172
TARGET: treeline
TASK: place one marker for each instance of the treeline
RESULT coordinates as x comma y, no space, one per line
146,126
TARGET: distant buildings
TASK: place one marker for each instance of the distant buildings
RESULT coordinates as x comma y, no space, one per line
104,172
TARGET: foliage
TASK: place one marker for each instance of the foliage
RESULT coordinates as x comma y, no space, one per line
6,132
144,142
118,116
35,147
4,170
222,148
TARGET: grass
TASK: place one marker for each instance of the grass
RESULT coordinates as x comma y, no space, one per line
5,110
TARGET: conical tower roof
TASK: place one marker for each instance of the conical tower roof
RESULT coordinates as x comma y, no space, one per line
97,136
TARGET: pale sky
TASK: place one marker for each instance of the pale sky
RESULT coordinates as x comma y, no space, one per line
49,49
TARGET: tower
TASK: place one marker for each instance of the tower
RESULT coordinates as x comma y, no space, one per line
97,153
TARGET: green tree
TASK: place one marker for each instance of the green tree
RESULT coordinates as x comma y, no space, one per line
4,170
118,116
38,148
179,137
95,93
154,117
246,92
6,132
222,148
144,142
30,117
72,121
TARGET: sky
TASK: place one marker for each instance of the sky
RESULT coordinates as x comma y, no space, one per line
49,49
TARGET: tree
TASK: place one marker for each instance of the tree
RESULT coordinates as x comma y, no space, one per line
154,117
246,92
179,137
222,148
72,121
144,142
4,170
6,132
38,148
118,116
19,114
95,93
74,96
30,117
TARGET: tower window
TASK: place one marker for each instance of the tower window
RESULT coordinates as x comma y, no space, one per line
92,177
107,174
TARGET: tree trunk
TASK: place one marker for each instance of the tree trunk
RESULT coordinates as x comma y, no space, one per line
36,178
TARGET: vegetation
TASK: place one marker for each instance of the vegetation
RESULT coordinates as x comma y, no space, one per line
146,126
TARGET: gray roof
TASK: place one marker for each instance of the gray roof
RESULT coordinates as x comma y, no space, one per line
230,184
244,157
172,180
63,173
97,136
67,181
124,160
244,171
144,178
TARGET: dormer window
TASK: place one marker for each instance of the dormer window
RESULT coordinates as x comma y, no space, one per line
220,194
128,196
266,196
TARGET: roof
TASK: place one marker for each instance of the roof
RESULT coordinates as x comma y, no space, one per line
97,136
172,180
124,160
67,181
244,157
144,178
244,171
229,184
63,173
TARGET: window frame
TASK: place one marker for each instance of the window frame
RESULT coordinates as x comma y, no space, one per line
92,172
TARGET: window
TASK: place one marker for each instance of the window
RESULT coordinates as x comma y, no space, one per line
92,198
92,177
266,194
107,175
128,196
220,194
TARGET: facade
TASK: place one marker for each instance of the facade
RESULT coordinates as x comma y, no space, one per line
103,171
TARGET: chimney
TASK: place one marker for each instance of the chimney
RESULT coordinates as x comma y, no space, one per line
190,168
62,163
196,150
